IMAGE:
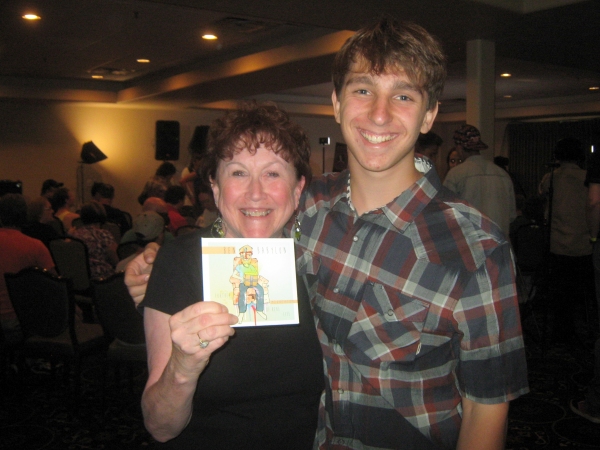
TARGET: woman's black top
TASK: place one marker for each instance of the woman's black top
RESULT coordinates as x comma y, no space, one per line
261,389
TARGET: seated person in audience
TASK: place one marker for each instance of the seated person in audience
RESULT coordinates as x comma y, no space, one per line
17,252
174,197
102,248
39,217
62,202
157,185
158,205
148,227
49,187
105,193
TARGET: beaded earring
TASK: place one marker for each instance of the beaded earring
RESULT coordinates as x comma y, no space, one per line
217,228
297,231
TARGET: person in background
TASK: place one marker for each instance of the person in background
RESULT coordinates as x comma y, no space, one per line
49,187
174,198
159,183
480,182
428,144
453,158
571,265
148,227
159,206
62,203
102,248
17,252
39,217
104,194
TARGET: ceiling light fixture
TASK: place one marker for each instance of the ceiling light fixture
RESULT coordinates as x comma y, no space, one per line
97,77
209,37
31,16
506,75
143,61
507,96
594,88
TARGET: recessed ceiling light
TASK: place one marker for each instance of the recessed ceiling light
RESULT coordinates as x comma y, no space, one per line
97,77
143,61
209,37
594,88
505,75
507,96
30,16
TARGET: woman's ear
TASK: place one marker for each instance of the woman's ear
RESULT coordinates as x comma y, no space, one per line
216,191
298,190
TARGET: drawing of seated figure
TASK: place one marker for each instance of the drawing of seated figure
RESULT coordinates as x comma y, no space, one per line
249,288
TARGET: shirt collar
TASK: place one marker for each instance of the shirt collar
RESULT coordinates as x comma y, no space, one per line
407,206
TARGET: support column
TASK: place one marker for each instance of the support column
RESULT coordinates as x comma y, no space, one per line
481,90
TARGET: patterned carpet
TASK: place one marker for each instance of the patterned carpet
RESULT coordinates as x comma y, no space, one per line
37,414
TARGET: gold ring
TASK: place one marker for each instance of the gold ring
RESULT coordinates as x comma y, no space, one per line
203,343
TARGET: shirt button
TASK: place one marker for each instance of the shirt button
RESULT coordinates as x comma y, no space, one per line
390,312
340,391
336,290
355,238
419,348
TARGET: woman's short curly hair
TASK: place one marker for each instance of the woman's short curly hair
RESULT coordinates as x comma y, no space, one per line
247,128
389,45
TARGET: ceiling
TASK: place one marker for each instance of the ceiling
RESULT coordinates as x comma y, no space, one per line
279,50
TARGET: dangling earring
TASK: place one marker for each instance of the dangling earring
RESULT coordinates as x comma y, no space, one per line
217,228
297,231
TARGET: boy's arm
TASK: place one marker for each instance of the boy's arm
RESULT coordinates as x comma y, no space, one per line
483,426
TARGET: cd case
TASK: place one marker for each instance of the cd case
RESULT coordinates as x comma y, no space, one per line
254,278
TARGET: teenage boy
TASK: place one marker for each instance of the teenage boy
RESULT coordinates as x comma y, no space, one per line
414,294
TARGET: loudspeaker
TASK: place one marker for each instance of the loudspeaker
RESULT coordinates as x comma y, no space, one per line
198,142
167,140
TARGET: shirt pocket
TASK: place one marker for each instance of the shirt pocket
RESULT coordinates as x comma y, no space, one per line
388,325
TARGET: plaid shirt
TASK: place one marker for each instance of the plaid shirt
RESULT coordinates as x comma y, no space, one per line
416,306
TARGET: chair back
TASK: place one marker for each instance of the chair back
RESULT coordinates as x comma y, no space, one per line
116,311
70,256
44,303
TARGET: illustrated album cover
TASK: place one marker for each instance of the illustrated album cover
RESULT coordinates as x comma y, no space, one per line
254,278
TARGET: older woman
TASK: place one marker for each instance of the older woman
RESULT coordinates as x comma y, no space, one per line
262,387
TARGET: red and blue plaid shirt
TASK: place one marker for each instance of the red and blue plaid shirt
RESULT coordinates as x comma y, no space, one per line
416,306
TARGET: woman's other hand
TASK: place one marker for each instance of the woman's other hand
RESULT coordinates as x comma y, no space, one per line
138,271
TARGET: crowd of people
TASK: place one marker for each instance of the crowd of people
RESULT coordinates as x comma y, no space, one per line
410,334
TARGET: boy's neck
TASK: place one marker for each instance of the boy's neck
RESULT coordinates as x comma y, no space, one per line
372,190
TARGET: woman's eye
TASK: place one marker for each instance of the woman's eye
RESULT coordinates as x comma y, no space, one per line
273,174
238,173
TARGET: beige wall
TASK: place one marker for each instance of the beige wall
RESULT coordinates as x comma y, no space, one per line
40,141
